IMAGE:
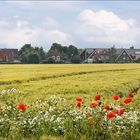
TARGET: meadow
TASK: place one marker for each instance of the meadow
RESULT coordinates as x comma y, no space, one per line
35,84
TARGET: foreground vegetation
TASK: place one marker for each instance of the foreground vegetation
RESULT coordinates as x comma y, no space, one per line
91,102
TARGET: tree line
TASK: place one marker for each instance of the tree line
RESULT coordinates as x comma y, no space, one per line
35,55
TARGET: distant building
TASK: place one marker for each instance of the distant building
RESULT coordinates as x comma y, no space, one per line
8,55
96,55
55,55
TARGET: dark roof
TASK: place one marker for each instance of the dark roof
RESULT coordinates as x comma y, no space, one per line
52,53
13,50
90,50
119,50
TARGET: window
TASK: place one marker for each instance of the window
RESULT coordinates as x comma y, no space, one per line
53,57
58,58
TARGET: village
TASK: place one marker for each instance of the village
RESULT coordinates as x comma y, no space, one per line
71,54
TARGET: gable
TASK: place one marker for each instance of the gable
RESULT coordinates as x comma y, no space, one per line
124,56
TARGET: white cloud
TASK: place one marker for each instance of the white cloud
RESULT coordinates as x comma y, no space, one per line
49,23
106,27
16,33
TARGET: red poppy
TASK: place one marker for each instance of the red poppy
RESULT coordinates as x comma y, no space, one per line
97,97
107,107
22,107
116,97
111,115
79,105
79,99
115,111
120,112
130,94
93,105
127,100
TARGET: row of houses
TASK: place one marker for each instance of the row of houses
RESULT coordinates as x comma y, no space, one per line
88,55
12,55
95,55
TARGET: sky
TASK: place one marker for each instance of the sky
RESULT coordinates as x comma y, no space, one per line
85,24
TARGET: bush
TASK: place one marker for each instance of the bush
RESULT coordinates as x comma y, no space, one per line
50,61
76,59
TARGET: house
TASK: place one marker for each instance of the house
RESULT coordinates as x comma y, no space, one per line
8,55
99,55
103,55
95,55
55,55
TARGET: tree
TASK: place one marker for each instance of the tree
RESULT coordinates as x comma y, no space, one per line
28,52
65,53
76,59
112,54
72,51
50,61
33,58
24,52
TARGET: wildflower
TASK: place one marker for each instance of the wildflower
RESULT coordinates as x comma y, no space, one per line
116,97
121,111
79,99
107,107
93,105
111,115
115,111
127,100
97,97
79,105
130,94
22,107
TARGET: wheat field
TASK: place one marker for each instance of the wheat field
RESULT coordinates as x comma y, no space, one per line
40,81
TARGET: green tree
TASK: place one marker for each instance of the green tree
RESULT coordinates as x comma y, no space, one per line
76,59
112,54
50,61
24,52
33,58
72,51
65,53
28,52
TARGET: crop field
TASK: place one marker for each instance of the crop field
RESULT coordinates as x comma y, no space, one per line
36,81
28,85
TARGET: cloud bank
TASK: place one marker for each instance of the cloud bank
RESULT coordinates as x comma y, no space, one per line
106,27
88,29
15,33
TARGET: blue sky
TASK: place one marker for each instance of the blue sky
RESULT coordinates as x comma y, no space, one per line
84,24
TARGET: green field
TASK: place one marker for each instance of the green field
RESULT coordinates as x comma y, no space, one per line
40,81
